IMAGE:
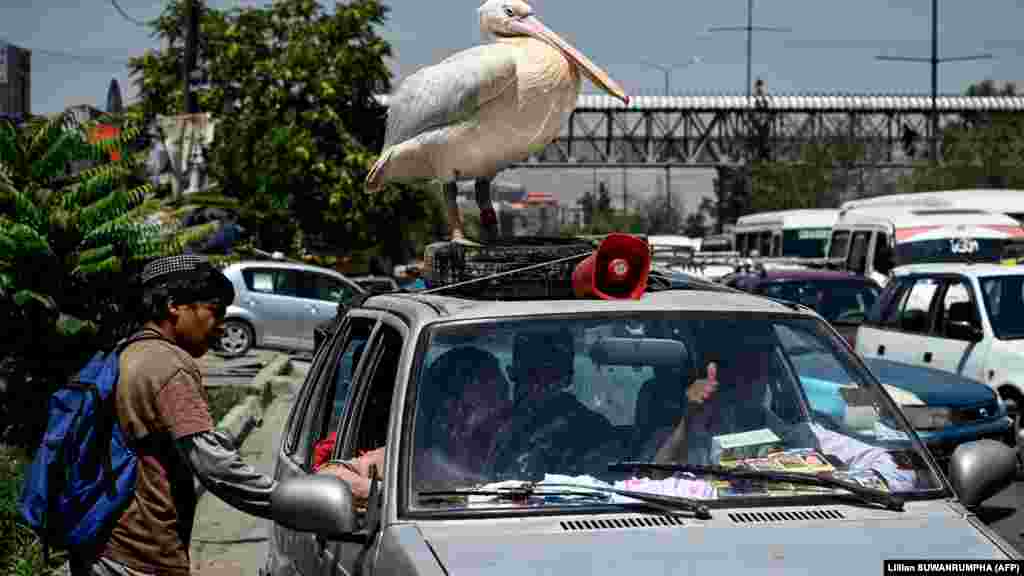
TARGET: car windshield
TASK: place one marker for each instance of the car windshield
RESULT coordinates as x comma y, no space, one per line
1004,300
843,302
950,250
558,400
805,242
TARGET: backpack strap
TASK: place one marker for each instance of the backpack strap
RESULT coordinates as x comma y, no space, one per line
109,416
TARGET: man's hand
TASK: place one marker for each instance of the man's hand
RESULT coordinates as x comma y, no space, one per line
371,458
703,388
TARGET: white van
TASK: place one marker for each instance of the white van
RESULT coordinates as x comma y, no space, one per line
785,233
1009,202
871,241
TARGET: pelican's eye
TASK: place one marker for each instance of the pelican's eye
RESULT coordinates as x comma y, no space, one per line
510,12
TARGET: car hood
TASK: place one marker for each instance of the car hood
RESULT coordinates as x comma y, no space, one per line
837,546
933,387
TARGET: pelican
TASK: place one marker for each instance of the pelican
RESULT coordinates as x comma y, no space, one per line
482,109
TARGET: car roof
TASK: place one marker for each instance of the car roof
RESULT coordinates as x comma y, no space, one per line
427,308
283,264
779,275
973,270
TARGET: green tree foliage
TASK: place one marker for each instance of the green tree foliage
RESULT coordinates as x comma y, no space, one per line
72,231
810,182
292,88
981,150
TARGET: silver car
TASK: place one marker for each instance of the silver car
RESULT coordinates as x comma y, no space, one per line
526,437
278,304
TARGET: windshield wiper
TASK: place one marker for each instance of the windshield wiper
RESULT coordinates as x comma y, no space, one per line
659,502
868,495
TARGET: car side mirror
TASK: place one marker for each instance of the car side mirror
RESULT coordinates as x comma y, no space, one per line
981,469
318,503
964,331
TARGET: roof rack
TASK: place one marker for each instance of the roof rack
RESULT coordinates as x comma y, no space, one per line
512,278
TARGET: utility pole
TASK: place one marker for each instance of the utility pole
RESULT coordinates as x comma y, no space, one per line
749,29
935,61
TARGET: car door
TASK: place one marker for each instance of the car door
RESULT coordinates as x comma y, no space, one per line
907,330
313,412
950,348
273,298
367,427
321,293
880,331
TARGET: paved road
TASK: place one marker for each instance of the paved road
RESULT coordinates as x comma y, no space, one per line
1005,513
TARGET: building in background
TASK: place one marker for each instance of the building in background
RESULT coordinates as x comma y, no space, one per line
15,80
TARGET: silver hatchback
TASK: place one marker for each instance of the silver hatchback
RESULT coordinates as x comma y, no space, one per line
278,304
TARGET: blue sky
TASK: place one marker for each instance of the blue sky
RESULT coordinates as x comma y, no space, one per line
830,49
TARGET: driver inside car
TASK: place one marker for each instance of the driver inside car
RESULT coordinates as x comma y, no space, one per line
750,391
548,429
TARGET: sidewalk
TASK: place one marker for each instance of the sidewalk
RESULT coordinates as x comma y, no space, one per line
225,541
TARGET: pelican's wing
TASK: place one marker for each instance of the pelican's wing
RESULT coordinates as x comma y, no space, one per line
450,91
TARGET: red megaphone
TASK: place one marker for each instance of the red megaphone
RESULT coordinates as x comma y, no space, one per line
618,269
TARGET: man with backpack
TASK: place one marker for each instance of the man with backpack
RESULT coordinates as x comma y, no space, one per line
164,429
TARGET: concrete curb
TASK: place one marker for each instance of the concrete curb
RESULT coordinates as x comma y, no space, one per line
247,415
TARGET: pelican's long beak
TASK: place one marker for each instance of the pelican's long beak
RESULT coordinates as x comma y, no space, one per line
531,26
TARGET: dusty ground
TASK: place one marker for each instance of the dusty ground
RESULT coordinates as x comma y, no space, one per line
225,541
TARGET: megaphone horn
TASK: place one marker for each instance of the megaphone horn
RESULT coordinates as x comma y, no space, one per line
618,269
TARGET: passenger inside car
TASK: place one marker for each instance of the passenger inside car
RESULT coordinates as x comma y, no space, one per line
753,392
458,431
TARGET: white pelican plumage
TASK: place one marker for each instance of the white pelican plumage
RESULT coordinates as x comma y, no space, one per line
485,108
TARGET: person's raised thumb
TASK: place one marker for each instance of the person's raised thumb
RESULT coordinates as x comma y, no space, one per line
712,371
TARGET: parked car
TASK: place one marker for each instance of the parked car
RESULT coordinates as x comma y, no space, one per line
544,498
377,284
841,298
278,304
945,409
967,319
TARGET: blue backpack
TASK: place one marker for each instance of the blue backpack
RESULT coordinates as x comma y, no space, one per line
83,473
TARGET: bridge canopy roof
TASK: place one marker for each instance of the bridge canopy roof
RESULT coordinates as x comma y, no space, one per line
805,102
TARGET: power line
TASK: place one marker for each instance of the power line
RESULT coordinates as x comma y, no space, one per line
68,55
126,16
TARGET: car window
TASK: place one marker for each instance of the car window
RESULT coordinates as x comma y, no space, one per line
1004,299
840,242
259,280
334,404
323,287
298,419
914,316
858,259
805,293
882,261
956,306
371,430
845,302
272,281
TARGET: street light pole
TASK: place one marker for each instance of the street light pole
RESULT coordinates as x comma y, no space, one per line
935,61
667,69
